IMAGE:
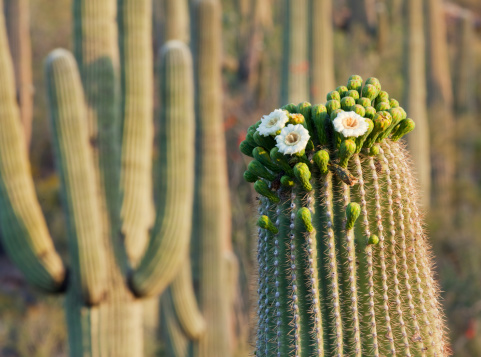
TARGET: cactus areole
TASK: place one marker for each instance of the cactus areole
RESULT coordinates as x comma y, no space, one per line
344,268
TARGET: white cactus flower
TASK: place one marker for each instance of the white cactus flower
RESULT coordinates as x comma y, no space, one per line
272,123
350,124
292,139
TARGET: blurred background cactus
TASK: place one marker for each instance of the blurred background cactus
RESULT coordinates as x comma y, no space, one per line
340,38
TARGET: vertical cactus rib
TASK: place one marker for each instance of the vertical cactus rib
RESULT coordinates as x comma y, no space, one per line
170,236
322,49
382,258
211,202
24,231
76,167
263,285
295,65
371,314
185,304
177,343
136,97
337,346
18,28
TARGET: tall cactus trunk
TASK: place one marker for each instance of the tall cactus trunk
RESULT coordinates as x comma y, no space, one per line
344,266
176,20
211,207
295,63
415,96
440,101
321,49
17,15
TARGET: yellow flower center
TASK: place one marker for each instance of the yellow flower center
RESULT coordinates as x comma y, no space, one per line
292,138
350,122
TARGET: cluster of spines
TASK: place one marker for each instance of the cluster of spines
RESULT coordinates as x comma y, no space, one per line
359,272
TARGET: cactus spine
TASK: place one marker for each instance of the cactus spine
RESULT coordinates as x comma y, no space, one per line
211,206
322,58
344,266
94,134
295,64
415,96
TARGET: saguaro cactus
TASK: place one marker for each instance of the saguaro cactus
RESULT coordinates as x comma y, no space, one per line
344,266
211,239
322,49
295,62
102,147
415,95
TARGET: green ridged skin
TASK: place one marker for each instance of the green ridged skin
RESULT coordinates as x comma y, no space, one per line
76,168
344,264
211,238
295,59
102,127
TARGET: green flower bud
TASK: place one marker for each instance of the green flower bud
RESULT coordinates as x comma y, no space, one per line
291,108
359,109
246,148
319,116
256,168
304,215
261,155
373,240
354,84
360,139
393,103
265,223
250,139
346,150
375,82
365,102
353,210
374,150
355,77
370,112
334,95
267,142
342,90
303,175
383,96
369,91
332,105
403,128
347,103
296,118
383,106
353,93
250,177
281,161
321,158
287,181
262,188
305,109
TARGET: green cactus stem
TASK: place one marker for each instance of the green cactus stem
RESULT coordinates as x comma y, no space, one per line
344,265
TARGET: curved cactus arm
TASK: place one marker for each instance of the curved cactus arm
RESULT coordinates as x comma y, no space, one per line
185,303
24,231
176,342
169,243
136,75
75,164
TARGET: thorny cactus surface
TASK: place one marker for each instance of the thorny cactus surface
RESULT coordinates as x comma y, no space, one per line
344,266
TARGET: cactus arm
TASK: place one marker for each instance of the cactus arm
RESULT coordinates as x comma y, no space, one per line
18,28
185,304
170,237
135,48
177,343
24,231
76,167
